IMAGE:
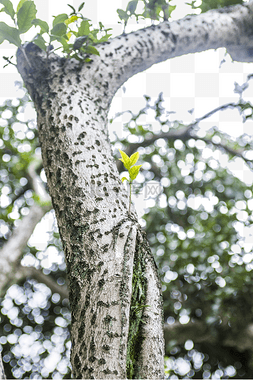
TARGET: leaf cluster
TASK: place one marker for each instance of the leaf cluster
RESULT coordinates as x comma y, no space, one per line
129,163
206,5
158,10
73,32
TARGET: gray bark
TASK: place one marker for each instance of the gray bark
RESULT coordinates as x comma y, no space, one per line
101,239
229,27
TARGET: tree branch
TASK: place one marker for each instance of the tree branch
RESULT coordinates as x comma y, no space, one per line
39,276
195,331
199,332
12,251
186,134
229,150
229,27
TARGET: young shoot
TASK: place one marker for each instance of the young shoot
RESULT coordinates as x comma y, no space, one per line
133,171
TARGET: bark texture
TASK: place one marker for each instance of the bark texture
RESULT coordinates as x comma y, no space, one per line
230,27
109,263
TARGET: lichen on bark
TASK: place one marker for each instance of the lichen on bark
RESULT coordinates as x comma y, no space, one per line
138,303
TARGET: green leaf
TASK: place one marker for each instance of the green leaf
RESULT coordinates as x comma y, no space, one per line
71,19
169,10
62,40
10,34
44,28
84,28
39,41
134,171
80,7
124,179
60,19
91,50
105,38
59,29
125,159
134,158
20,4
93,36
74,11
79,41
8,8
25,15
131,6
122,14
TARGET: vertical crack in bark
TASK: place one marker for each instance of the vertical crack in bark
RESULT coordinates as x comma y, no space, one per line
138,299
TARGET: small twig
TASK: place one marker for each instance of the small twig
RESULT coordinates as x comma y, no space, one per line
9,61
130,195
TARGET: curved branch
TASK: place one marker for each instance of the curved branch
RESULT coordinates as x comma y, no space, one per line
199,332
229,150
21,192
39,276
186,134
229,27
195,331
12,251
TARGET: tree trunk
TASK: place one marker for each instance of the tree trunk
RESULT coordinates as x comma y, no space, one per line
115,295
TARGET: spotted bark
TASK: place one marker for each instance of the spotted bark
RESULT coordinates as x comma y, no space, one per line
102,240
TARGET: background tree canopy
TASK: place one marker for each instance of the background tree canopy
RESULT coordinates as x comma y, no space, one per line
198,221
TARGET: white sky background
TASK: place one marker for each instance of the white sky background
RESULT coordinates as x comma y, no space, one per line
193,81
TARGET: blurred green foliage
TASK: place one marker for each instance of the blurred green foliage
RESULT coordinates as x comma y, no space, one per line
161,10
18,141
214,4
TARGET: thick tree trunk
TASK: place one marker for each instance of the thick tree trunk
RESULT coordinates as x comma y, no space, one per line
115,296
